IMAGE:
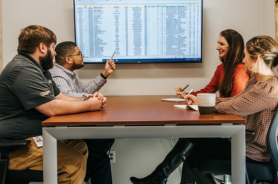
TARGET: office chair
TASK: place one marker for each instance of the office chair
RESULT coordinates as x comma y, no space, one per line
255,172
15,176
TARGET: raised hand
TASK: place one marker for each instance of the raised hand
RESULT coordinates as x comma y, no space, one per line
109,68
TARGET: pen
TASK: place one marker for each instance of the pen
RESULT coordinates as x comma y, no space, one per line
112,56
184,88
190,92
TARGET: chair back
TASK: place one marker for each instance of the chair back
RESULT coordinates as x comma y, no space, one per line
15,176
272,139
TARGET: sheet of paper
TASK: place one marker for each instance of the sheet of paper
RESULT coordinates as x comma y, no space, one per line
174,99
180,106
193,107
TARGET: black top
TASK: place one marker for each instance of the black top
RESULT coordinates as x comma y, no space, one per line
23,86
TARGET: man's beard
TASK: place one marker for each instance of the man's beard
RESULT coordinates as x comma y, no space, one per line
76,66
46,61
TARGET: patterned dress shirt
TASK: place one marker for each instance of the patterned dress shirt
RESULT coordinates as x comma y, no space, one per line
70,85
257,104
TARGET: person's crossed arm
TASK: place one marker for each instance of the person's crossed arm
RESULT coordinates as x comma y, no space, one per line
99,96
70,105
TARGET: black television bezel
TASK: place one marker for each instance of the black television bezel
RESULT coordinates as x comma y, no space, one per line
148,62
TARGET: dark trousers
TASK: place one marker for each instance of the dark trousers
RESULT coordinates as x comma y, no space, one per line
98,164
208,148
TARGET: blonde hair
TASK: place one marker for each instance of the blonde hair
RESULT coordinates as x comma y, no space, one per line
264,47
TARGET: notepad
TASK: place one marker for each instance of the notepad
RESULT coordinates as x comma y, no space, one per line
174,99
192,107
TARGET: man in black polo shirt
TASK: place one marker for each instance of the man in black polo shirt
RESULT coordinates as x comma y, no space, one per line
28,95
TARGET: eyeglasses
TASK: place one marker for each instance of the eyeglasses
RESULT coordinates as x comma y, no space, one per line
79,53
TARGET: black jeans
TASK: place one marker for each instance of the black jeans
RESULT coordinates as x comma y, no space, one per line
98,164
208,148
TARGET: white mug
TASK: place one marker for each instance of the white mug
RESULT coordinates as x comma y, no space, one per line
206,103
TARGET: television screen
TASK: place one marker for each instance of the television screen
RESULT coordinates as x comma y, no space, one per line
145,31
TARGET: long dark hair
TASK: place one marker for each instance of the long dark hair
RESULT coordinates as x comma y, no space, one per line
234,56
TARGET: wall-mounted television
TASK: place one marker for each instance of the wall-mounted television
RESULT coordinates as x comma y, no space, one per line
145,31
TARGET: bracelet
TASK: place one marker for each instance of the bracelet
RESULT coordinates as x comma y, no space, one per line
103,76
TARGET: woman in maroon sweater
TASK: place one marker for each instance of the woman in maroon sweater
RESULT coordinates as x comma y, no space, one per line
230,77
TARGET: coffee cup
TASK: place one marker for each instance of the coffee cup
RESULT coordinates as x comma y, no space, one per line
206,103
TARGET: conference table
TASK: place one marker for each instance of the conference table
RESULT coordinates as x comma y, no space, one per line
142,117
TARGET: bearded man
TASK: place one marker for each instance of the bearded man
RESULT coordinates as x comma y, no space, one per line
28,96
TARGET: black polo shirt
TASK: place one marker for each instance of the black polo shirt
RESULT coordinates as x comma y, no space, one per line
23,86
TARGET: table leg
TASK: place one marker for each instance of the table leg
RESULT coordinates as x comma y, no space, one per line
238,157
237,134
49,158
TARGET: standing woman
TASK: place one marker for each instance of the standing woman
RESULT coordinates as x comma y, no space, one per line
230,77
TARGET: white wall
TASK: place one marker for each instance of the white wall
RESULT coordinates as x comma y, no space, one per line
140,156
249,17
